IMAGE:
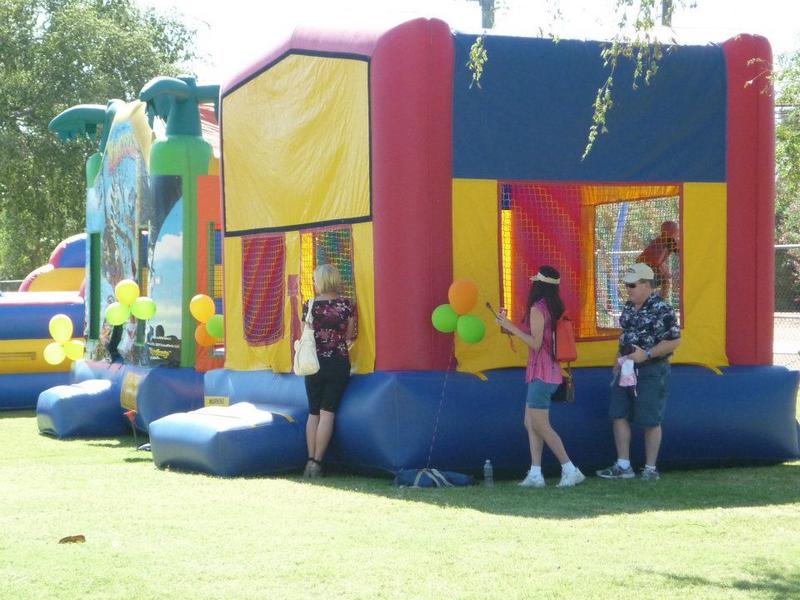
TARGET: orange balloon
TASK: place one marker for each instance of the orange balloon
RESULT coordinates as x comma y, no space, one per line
463,294
202,337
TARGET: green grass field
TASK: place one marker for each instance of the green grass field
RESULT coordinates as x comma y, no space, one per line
725,533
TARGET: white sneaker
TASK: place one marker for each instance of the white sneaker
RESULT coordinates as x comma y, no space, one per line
531,480
571,479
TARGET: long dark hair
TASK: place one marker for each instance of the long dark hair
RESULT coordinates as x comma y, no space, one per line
548,291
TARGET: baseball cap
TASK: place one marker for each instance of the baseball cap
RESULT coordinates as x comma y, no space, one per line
636,272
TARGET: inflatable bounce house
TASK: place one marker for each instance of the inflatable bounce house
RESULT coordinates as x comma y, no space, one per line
54,288
373,152
153,225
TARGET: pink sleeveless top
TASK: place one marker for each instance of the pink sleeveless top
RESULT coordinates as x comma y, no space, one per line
541,364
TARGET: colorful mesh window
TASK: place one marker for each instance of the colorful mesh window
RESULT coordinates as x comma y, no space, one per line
627,232
264,290
590,233
543,229
215,265
329,245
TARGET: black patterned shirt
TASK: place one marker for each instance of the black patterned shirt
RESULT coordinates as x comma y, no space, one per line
330,326
654,322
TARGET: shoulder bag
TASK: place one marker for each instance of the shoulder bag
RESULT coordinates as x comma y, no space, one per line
306,361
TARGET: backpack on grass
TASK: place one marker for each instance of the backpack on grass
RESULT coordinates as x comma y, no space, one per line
431,478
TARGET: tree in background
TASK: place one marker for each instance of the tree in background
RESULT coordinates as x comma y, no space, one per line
55,54
787,201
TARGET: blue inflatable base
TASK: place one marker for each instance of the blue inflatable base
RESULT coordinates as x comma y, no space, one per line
92,406
242,439
159,391
19,391
455,421
86,409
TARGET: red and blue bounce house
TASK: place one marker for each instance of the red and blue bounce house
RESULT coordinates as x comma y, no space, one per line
372,151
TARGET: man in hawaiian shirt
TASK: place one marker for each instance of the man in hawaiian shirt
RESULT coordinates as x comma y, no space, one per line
650,334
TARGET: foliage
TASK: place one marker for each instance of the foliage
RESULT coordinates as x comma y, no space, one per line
787,155
787,200
635,41
477,60
55,54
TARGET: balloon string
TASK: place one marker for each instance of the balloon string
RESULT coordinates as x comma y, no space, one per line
441,403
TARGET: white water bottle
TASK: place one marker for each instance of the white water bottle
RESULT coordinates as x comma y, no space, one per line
488,473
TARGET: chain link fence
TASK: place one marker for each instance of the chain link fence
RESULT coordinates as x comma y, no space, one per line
786,344
9,285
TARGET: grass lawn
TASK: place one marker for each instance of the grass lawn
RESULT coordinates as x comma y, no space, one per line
725,533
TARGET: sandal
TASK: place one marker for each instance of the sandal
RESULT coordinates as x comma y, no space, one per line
313,469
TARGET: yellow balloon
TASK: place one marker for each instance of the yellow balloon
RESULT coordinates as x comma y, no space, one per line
54,353
202,307
74,349
126,291
60,328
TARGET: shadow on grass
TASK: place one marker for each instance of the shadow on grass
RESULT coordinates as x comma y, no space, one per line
126,444
768,581
676,491
143,457
18,414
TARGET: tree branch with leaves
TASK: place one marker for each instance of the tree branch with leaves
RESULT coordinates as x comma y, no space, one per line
635,41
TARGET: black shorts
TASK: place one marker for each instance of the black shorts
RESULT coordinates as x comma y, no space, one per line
325,388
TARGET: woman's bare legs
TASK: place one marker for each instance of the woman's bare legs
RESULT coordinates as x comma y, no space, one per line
323,434
540,430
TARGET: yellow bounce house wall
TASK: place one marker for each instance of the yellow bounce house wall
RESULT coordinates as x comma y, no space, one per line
306,171
25,356
61,279
310,165
278,356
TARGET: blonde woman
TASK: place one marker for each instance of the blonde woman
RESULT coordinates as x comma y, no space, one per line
333,331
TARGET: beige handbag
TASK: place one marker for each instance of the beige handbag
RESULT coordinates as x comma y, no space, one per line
306,361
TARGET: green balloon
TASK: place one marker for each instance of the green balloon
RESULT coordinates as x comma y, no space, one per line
216,327
444,318
143,308
470,328
117,314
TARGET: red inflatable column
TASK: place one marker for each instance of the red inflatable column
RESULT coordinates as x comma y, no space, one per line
751,201
411,124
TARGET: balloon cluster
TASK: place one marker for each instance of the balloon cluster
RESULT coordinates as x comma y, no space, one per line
447,318
64,346
128,303
212,326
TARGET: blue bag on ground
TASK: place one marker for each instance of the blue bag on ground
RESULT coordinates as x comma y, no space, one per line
430,478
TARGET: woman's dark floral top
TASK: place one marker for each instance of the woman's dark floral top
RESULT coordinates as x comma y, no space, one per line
330,326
